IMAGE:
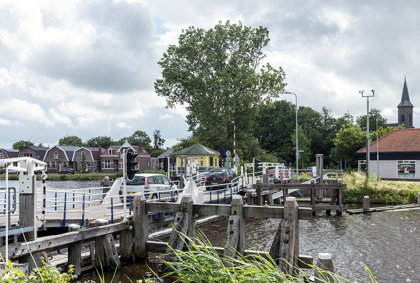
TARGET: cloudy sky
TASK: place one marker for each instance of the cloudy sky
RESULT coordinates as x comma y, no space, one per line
87,68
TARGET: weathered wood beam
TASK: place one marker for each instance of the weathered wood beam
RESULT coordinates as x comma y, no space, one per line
62,240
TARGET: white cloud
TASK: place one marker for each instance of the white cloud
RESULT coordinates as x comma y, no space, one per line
123,125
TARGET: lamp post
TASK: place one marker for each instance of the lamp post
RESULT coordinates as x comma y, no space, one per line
297,140
362,92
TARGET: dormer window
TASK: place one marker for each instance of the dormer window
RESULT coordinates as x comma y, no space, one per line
55,155
110,151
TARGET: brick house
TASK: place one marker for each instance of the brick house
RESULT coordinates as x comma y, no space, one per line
60,157
34,152
398,152
92,159
112,158
8,153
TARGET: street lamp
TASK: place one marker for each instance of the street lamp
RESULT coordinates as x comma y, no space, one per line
362,92
297,140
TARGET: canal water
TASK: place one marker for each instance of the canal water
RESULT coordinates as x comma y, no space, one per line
388,243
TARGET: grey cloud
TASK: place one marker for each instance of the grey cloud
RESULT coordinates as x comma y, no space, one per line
120,59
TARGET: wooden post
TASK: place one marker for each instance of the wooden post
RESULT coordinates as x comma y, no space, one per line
418,198
141,227
265,178
126,243
313,196
366,203
100,260
184,223
289,244
74,255
259,197
236,230
269,199
324,263
111,254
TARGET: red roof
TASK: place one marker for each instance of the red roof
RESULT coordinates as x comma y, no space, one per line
403,140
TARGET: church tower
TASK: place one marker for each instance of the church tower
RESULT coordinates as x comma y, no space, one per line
405,108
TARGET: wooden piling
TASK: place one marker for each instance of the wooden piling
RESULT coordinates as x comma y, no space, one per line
100,260
74,255
236,230
324,263
289,237
110,251
418,198
366,203
184,223
141,227
126,244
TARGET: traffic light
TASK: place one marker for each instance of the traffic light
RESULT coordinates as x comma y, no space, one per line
131,164
223,152
256,164
166,164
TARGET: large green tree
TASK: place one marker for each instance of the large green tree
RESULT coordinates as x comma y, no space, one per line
22,144
101,141
139,137
349,139
218,74
71,140
374,114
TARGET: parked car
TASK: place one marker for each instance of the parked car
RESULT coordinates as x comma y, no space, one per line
155,186
66,171
219,176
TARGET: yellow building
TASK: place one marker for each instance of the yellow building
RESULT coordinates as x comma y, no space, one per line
204,157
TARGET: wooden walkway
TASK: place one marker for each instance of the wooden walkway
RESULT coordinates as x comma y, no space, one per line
384,208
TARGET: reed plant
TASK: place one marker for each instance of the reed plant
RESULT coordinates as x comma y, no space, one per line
200,262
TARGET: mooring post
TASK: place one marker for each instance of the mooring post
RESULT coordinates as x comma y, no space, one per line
235,231
184,223
100,260
141,227
126,242
324,263
289,238
366,203
74,255
259,195
418,198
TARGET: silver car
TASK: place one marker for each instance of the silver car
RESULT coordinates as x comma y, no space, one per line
155,186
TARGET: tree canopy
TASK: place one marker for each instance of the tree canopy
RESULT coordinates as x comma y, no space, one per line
22,144
101,141
217,74
71,140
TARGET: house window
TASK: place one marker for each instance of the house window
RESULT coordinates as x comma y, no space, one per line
65,164
211,161
403,118
88,165
107,164
110,151
406,169
27,154
53,164
2,155
55,155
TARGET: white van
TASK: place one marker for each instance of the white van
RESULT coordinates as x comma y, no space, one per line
155,186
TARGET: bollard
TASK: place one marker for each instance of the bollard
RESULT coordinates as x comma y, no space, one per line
418,198
325,263
366,203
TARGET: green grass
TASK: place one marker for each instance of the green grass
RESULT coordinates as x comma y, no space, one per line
381,192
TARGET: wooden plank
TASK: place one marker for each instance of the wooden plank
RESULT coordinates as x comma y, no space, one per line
262,212
163,207
329,207
211,209
235,234
100,258
74,255
62,240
